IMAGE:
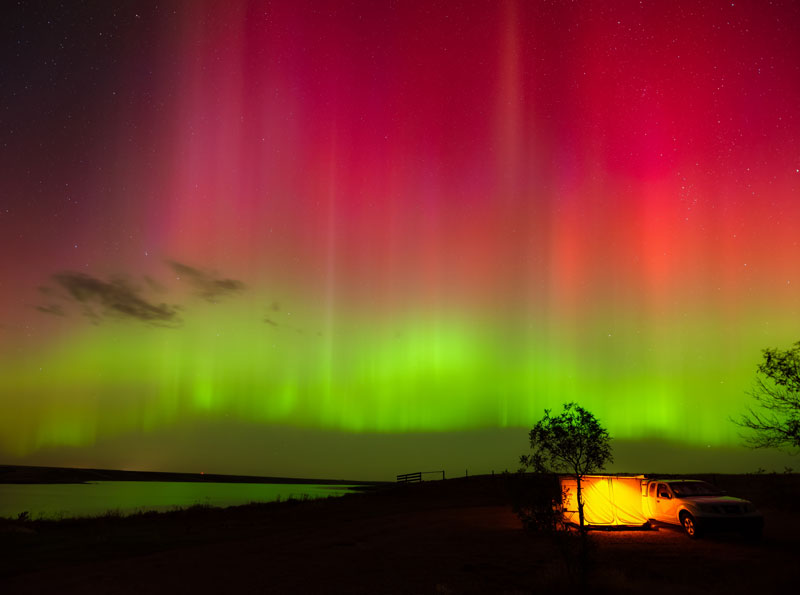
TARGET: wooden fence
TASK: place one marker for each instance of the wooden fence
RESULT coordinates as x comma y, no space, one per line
415,477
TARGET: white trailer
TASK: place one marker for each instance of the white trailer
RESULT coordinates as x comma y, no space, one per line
608,500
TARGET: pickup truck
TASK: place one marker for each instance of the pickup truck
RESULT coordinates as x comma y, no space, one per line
698,507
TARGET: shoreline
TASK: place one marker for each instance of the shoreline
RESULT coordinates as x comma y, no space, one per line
28,474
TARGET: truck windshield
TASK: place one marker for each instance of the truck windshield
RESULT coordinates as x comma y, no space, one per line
694,488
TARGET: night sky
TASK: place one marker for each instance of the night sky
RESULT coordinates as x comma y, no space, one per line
360,238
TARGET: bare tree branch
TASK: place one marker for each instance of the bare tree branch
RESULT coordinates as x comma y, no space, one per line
774,422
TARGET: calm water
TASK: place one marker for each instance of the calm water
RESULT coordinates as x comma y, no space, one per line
126,497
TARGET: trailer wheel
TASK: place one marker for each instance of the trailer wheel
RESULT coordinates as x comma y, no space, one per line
689,525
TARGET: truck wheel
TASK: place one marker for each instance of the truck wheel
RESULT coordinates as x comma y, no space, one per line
690,525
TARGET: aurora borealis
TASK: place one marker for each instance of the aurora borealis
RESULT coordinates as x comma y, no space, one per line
378,224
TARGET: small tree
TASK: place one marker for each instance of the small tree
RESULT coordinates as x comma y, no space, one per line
775,422
573,442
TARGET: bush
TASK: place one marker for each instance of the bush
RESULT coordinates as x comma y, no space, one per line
536,499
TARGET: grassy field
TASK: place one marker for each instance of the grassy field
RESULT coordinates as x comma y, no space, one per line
454,536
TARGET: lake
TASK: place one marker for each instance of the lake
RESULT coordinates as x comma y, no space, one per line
127,497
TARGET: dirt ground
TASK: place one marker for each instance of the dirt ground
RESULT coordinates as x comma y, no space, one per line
457,536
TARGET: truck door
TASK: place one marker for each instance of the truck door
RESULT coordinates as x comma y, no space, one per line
664,506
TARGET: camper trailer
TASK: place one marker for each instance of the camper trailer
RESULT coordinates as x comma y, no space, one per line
638,501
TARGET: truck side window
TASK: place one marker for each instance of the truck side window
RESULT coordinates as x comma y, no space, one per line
663,492
652,490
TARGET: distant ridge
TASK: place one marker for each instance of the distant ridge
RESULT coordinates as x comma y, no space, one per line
30,474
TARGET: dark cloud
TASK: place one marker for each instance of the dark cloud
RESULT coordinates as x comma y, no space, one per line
206,285
154,285
298,330
118,298
114,298
54,309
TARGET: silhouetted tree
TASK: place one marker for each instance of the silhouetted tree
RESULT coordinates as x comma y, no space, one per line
775,420
573,442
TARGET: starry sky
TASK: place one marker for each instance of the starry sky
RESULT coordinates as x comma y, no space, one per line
361,238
